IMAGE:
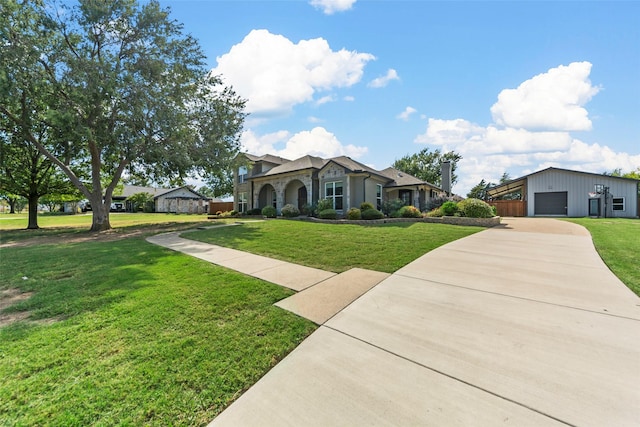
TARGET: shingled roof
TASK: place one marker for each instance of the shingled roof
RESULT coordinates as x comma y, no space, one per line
402,179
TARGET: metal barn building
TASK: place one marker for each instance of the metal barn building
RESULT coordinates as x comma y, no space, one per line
563,192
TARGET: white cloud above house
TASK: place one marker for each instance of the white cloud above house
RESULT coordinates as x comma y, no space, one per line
329,7
275,74
382,81
531,131
549,101
315,142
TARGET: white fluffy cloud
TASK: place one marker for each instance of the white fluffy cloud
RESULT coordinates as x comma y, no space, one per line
274,74
382,81
549,101
531,131
329,7
406,113
316,142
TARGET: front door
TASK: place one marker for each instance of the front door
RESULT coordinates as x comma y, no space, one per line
594,207
302,197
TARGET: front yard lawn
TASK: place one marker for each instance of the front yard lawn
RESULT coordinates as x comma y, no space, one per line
128,333
336,247
617,240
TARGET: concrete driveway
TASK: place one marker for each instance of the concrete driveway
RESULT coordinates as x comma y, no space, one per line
522,324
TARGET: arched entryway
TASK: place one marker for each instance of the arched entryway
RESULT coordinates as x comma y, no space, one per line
267,196
295,194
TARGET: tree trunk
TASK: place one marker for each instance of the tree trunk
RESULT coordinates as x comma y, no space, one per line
33,212
100,221
12,205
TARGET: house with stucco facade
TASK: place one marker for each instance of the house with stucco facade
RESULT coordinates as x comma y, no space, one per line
270,180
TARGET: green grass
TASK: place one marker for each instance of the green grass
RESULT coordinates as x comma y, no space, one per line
617,240
19,221
142,335
334,247
13,226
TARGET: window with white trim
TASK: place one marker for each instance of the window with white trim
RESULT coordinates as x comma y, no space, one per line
333,191
242,174
242,202
378,196
618,203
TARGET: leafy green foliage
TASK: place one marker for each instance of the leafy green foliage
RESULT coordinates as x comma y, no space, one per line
366,205
269,212
427,165
409,212
290,211
371,214
474,208
142,201
120,88
354,214
435,213
328,214
391,207
324,204
449,208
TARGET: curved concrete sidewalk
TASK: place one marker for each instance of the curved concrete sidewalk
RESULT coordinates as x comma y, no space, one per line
522,324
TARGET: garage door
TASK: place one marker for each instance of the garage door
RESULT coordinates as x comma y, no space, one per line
554,203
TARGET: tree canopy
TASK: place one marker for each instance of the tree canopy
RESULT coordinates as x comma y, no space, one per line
426,165
120,90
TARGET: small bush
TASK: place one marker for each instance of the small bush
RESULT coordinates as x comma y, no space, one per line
366,205
435,213
391,207
324,204
494,210
290,211
269,212
307,209
409,212
328,214
370,214
354,214
475,208
256,211
449,208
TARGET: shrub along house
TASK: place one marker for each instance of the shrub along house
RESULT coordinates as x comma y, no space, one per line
274,181
563,192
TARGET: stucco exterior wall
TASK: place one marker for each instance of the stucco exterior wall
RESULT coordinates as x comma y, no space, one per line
578,186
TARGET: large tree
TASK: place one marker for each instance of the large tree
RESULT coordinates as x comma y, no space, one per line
125,90
26,172
427,165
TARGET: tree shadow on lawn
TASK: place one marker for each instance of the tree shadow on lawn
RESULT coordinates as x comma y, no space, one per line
69,279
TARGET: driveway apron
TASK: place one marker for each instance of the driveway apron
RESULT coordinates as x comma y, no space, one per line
521,324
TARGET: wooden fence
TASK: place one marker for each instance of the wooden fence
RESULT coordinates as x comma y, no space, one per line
510,207
220,207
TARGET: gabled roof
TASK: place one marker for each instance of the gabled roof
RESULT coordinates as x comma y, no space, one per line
353,166
515,184
402,179
305,162
130,190
186,187
269,158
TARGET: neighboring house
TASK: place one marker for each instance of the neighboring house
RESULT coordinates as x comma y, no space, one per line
181,200
274,181
563,192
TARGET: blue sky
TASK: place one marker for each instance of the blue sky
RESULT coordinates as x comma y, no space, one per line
512,86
